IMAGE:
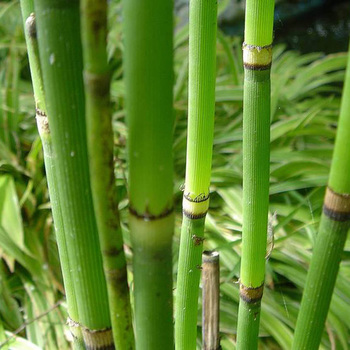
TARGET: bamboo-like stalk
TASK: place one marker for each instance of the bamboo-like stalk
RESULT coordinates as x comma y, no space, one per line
100,145
211,300
58,28
201,109
257,55
333,229
148,29
27,7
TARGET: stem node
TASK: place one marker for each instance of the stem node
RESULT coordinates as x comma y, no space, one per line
251,295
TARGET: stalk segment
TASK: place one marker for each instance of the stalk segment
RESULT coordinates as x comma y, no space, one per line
148,60
58,29
100,145
28,15
333,229
201,109
257,57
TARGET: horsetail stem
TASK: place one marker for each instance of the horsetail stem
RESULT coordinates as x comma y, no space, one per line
257,56
27,7
58,30
201,109
332,233
100,145
148,60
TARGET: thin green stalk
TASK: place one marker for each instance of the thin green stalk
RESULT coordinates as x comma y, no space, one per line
257,57
148,29
201,109
333,229
100,144
27,7
58,28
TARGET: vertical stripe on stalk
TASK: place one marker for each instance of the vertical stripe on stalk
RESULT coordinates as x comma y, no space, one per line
201,109
256,155
333,229
61,61
259,16
100,145
257,58
148,59
27,7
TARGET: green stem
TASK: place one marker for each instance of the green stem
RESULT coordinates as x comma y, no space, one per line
333,229
148,29
153,282
58,26
201,109
100,143
27,7
256,153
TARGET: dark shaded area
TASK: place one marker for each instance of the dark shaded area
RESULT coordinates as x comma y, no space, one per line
307,25
324,29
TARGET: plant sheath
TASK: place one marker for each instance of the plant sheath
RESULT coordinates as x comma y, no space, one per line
257,58
332,233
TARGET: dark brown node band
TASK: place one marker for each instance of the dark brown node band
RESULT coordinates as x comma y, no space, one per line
337,205
148,216
257,66
251,295
194,216
97,84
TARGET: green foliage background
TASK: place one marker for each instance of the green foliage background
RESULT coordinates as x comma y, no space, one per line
306,91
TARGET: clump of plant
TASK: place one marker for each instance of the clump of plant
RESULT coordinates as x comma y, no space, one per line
79,83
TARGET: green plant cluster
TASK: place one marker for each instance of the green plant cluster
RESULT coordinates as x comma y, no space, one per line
305,102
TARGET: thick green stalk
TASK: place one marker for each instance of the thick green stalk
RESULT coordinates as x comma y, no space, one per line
201,109
148,29
333,229
256,154
100,144
58,28
27,7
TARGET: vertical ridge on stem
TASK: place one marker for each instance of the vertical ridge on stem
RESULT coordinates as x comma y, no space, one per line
257,57
201,110
58,30
331,238
148,63
100,146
